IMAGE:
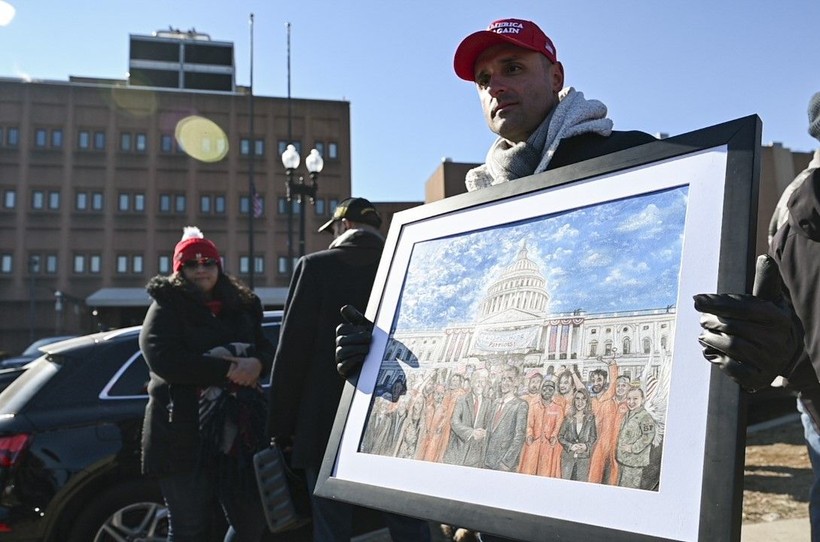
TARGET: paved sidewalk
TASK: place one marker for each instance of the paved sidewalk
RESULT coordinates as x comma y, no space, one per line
784,530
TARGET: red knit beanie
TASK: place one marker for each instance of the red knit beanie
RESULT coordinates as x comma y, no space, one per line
194,246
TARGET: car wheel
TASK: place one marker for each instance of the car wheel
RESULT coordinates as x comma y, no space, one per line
133,511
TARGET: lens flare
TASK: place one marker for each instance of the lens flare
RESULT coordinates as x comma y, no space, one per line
201,139
7,12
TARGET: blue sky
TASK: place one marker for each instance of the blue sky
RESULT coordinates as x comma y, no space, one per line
666,67
617,256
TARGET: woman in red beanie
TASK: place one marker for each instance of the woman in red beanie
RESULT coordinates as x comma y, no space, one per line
202,339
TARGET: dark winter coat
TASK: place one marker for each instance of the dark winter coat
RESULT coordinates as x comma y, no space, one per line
305,387
178,329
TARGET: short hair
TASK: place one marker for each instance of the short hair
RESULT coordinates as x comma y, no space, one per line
598,372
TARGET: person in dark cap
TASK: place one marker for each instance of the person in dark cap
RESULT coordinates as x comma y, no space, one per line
205,419
305,387
773,335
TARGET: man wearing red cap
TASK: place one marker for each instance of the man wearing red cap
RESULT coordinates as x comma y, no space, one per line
540,124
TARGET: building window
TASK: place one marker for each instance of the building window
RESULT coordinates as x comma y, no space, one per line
53,201
332,151
139,203
57,138
647,345
320,147
6,263
38,199
627,346
259,264
219,205
136,264
13,137
281,146
9,199
34,263
663,342
205,206
331,205
125,202
125,142
81,201
166,143
40,137
244,146
608,348
140,143
319,207
282,265
79,263
99,141
283,206
179,203
165,265
593,349
259,147
96,201
259,206
164,203
51,264
83,140
122,264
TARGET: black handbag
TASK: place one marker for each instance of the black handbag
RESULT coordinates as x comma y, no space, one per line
274,478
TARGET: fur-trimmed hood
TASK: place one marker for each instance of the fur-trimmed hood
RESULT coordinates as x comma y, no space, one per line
229,290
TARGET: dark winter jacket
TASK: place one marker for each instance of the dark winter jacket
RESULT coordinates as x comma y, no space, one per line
305,387
178,329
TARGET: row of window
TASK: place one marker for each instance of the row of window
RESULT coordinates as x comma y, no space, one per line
134,202
133,264
137,142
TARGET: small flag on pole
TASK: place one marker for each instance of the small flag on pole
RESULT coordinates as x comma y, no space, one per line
257,204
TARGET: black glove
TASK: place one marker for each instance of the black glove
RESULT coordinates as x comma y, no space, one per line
752,338
352,340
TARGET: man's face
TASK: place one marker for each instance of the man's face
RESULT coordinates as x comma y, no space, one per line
339,228
547,391
598,382
534,384
507,382
479,385
634,399
517,88
621,387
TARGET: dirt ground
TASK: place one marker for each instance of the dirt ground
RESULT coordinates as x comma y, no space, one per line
777,474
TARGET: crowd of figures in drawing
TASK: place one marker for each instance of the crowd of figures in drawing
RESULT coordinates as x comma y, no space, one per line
549,423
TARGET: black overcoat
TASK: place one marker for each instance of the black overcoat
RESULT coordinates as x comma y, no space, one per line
178,329
305,387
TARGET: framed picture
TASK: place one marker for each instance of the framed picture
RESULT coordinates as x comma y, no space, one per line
535,371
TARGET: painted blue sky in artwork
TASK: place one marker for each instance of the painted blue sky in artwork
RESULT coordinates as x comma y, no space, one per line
616,256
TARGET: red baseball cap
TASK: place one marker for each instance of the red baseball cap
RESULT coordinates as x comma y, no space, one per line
521,33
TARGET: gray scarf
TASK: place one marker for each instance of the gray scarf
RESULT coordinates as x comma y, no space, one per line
574,115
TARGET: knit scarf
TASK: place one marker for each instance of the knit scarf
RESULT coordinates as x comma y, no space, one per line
574,115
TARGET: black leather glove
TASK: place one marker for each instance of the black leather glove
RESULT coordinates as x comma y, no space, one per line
352,340
752,338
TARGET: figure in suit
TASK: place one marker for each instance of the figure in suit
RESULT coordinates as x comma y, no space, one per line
468,426
507,429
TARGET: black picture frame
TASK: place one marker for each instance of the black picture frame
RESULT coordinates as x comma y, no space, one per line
717,488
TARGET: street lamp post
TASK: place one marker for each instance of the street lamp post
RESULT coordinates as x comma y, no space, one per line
299,188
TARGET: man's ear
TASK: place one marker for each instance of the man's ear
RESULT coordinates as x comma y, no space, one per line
557,77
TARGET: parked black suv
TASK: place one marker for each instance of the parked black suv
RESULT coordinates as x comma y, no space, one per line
70,444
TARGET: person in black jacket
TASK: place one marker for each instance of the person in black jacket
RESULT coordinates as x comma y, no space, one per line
776,331
305,387
203,342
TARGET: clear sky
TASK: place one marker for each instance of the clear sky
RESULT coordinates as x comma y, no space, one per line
669,67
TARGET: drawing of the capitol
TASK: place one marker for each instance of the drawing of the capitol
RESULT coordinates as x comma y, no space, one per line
514,324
